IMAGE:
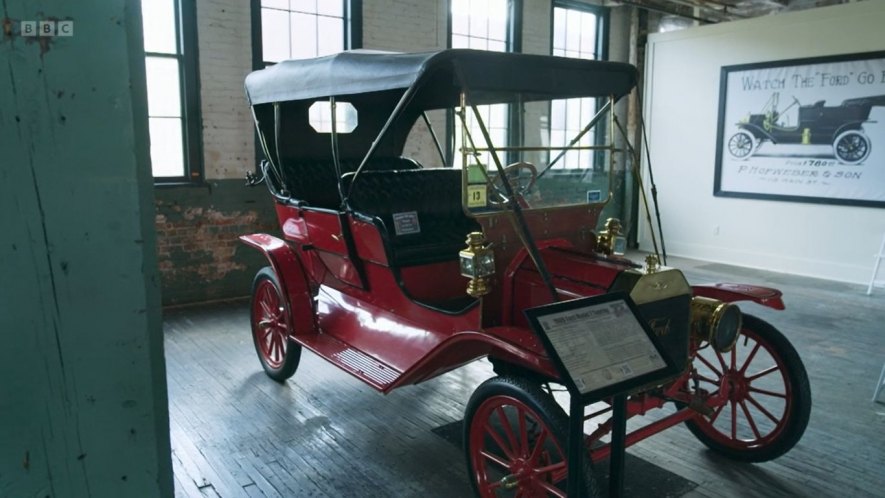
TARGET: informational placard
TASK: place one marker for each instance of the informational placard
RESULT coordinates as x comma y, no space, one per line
808,130
600,344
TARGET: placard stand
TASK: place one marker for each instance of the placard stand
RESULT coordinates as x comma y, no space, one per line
618,446
577,451
602,349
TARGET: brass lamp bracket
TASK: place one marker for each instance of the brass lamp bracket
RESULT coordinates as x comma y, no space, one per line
606,242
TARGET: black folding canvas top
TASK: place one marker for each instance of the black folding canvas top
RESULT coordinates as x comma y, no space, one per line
484,73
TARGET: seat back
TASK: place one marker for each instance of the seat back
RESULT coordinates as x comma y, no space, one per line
418,212
314,182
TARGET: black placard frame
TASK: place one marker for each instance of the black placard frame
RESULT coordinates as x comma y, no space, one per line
670,370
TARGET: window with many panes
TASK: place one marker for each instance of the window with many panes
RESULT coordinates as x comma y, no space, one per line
577,32
172,89
483,25
301,29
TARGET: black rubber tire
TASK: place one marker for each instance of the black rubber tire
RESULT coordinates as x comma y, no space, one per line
541,403
797,419
292,355
736,147
861,140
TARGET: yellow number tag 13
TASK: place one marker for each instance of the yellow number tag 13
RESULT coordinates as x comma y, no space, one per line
476,196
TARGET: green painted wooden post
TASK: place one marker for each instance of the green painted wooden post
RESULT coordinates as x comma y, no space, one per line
83,404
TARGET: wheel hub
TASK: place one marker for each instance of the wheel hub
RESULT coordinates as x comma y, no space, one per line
735,385
522,472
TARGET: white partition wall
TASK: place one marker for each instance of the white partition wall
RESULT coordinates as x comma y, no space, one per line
681,108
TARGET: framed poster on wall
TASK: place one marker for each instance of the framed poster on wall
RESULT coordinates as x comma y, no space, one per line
806,130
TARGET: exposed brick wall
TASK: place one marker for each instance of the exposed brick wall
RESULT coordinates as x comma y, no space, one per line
199,255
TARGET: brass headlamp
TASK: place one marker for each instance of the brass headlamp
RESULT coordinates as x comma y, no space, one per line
716,322
610,240
478,264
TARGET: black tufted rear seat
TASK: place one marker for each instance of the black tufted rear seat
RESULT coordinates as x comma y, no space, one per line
314,182
434,195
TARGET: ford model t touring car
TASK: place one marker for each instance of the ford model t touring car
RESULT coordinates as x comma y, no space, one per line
398,271
838,126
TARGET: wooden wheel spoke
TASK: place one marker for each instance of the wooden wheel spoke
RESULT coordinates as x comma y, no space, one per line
539,445
283,343
763,410
768,393
750,420
734,425
750,358
560,474
523,435
733,358
553,490
500,442
495,459
721,361
706,379
508,431
762,373
560,467
709,365
275,347
716,414
266,336
492,486
265,306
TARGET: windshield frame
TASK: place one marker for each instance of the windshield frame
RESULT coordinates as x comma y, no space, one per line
469,149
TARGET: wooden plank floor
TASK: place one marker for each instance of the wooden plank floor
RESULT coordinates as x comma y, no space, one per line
237,433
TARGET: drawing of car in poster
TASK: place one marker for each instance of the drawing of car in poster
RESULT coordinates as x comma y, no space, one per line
815,124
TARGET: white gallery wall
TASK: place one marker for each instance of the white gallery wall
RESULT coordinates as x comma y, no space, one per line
681,110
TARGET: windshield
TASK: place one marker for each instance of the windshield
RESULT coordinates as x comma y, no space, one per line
552,153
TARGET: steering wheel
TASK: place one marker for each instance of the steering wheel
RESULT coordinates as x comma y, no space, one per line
512,173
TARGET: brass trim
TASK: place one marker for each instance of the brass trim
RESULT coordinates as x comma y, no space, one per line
605,242
706,317
645,287
475,250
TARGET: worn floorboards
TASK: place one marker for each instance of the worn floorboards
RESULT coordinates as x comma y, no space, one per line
324,434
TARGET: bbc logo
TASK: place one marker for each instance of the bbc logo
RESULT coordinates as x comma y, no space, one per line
47,28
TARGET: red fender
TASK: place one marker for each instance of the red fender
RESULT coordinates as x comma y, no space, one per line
765,296
464,347
292,277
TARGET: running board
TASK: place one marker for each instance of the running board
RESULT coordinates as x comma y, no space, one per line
353,361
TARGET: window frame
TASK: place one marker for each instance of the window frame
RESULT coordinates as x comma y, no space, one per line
602,23
353,30
353,39
189,81
602,38
513,45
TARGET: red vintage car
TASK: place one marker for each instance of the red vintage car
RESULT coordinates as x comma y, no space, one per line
396,272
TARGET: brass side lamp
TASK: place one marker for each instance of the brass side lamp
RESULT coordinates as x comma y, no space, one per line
716,322
478,264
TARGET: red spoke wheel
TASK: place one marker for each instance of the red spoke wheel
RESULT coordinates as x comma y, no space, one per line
279,354
516,442
767,391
